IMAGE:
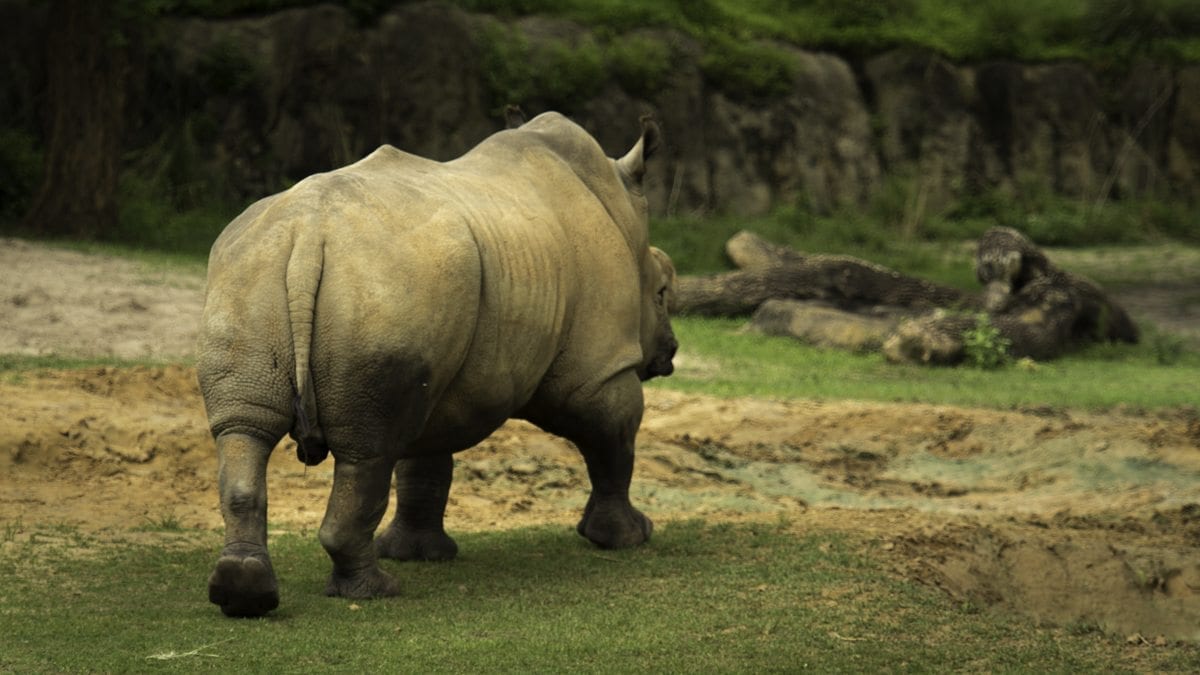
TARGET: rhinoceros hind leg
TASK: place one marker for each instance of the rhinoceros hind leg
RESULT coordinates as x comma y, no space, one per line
243,585
417,531
356,505
243,582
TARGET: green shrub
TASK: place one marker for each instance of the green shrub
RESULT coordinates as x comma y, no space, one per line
555,73
504,59
566,75
148,218
983,345
225,69
748,69
640,64
1140,26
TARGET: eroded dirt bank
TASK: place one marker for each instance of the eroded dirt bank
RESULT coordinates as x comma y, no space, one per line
1068,517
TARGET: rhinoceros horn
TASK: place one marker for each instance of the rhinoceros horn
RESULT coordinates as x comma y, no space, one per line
633,164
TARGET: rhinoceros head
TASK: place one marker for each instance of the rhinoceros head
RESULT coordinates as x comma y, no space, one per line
658,272
658,339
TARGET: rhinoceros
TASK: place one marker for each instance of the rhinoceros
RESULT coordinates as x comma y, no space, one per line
399,310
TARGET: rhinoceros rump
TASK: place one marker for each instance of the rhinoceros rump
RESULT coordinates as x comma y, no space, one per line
399,310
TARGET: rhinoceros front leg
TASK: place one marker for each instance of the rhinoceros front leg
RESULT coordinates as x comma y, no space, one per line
603,426
609,519
356,505
417,532
243,582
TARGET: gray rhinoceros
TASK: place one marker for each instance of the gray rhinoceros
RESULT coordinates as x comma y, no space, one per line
399,310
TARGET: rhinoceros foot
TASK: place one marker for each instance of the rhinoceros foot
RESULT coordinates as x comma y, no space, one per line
243,584
363,585
614,523
398,544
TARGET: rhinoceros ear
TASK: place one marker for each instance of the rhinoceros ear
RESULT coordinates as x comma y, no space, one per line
633,164
513,116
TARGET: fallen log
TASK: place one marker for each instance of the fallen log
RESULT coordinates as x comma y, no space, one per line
1040,310
772,271
818,324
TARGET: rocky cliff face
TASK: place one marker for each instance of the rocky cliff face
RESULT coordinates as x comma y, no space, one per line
245,107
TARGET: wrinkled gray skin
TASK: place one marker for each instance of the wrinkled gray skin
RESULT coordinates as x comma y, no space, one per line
399,310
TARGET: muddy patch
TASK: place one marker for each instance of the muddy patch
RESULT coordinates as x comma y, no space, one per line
1142,584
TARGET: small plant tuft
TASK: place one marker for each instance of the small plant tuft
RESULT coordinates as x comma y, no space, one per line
984,346
1168,348
11,530
167,522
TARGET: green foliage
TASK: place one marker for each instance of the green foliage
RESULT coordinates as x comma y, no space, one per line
983,345
557,73
748,69
1110,31
20,171
10,531
225,69
1157,28
149,218
735,598
1168,349
640,64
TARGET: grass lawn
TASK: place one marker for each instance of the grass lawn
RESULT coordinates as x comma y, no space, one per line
699,597
718,357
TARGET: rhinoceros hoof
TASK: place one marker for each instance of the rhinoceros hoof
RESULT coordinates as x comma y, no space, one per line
363,585
243,585
614,525
398,544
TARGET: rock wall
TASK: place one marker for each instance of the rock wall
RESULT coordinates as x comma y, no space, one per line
244,107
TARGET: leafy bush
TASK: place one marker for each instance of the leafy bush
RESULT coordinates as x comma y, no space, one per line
1139,26
984,347
555,73
640,64
148,219
748,69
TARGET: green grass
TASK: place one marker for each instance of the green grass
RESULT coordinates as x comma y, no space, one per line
714,598
12,366
717,358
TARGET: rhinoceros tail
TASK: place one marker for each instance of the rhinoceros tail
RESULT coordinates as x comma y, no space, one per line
303,281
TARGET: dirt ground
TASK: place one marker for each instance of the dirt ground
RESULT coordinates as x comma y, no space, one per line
1070,518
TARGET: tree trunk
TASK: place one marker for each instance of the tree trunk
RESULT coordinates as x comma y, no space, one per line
86,67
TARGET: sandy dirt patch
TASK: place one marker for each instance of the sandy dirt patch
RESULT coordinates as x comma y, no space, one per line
1071,518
